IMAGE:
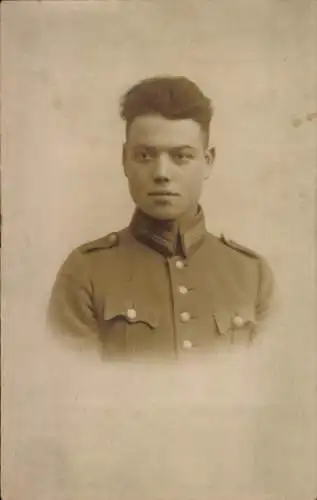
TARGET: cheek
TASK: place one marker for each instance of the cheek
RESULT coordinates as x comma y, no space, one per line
195,177
138,179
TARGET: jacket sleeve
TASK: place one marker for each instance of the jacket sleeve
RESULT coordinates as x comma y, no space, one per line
266,295
70,309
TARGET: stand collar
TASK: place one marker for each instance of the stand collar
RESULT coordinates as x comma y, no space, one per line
170,237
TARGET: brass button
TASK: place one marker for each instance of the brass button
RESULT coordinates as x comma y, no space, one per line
187,344
131,313
179,264
112,238
182,289
185,316
238,321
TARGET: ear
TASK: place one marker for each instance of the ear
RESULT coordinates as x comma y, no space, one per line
210,155
124,158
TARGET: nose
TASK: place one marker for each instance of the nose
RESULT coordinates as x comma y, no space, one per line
162,169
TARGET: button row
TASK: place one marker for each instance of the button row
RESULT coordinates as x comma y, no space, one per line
184,316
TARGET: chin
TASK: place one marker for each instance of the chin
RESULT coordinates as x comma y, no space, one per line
163,213
161,216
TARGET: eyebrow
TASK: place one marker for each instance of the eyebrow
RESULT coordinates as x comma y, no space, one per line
173,148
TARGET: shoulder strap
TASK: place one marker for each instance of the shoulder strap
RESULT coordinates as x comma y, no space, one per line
236,246
109,241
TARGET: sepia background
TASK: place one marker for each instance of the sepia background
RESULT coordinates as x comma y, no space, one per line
244,424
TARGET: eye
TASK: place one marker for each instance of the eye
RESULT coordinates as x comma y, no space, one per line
183,157
143,156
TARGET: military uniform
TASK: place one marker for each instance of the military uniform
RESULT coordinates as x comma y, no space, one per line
150,289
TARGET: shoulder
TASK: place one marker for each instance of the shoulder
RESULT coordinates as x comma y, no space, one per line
252,260
236,258
81,258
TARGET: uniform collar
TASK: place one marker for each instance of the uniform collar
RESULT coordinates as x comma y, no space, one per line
170,237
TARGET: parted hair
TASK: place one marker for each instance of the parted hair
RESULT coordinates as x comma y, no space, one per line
173,97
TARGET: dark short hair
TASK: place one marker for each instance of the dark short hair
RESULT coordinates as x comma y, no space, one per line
173,97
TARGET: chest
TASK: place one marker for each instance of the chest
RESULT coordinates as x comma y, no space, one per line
148,304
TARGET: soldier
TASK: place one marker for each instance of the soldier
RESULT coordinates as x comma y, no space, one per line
163,285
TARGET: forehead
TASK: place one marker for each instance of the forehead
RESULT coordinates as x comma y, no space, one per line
157,131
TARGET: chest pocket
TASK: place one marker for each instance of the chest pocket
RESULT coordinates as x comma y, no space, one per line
237,325
128,325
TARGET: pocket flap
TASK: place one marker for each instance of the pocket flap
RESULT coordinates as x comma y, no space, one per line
234,319
132,311
223,321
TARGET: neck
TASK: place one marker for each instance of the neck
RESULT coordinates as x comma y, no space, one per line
183,221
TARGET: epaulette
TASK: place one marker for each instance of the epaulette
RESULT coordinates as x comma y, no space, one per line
238,247
109,241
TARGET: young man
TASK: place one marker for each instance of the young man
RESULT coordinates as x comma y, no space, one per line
163,285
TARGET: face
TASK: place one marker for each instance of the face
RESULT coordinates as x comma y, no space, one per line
165,162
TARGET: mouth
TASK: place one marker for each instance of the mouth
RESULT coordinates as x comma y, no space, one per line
163,193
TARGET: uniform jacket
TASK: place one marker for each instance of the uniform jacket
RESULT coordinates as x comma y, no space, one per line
153,289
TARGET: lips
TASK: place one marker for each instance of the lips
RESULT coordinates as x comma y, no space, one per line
163,193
